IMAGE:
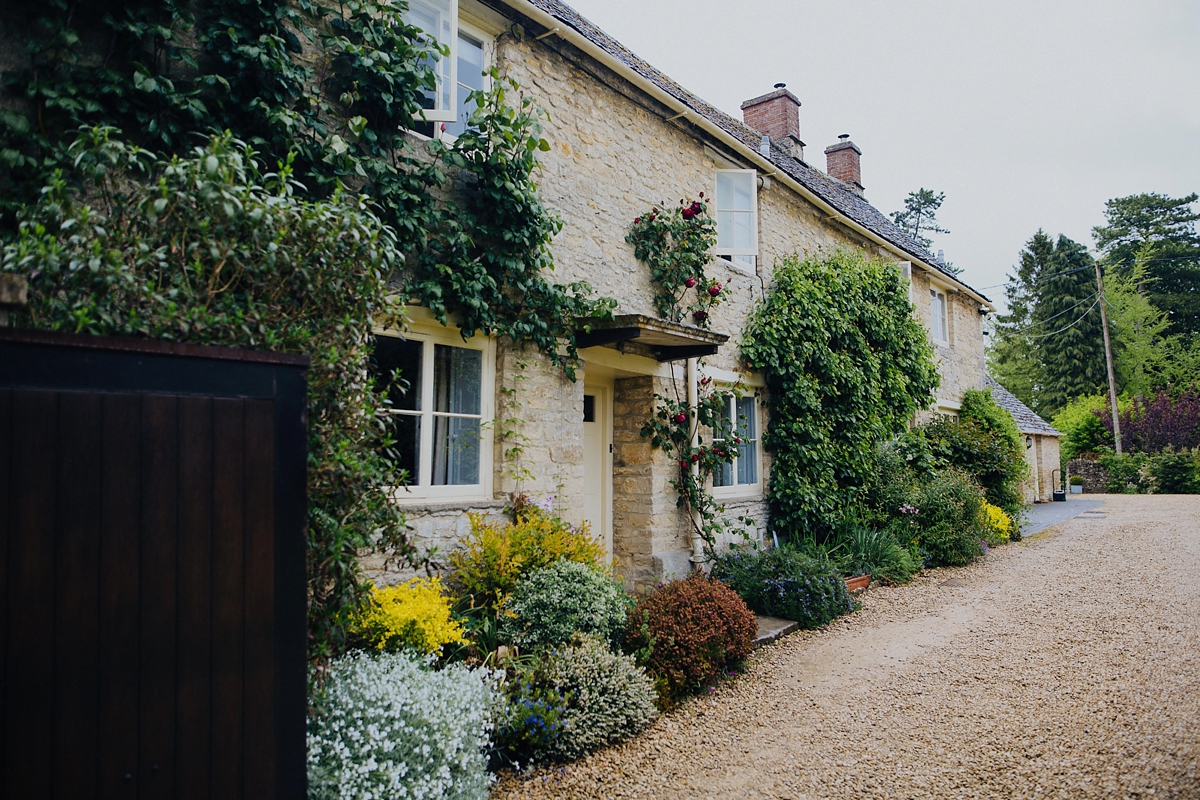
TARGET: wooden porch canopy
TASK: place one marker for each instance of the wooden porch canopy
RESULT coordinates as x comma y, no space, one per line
668,341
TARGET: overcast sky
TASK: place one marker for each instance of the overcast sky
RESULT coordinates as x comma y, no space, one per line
1026,114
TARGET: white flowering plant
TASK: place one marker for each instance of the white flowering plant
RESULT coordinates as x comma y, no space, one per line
389,727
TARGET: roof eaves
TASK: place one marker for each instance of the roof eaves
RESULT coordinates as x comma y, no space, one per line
829,190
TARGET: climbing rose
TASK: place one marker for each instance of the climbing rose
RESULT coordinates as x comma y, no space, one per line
690,282
700,315
714,290
688,213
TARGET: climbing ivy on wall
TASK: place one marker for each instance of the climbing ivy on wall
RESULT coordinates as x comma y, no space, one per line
323,92
846,364
331,88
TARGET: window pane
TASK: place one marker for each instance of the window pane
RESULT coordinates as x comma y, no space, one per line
391,354
455,451
723,475
470,79
735,191
457,380
405,454
745,424
747,463
436,18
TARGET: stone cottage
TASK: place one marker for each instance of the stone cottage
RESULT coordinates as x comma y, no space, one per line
626,137
1041,444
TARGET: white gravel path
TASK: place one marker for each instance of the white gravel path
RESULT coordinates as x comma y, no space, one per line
1065,666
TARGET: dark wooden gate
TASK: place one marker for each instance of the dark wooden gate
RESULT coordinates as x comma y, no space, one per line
152,579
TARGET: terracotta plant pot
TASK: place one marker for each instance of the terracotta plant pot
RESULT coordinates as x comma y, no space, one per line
857,583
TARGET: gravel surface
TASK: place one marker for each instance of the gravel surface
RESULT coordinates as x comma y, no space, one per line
1067,665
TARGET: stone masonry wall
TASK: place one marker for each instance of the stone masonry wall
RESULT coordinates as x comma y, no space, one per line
1095,476
962,363
612,157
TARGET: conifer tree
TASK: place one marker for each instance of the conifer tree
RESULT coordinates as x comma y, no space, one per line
1067,328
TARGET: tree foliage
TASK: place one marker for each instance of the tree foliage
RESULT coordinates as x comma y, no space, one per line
207,249
846,364
920,214
1049,347
1158,233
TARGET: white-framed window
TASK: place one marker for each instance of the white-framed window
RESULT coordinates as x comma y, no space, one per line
939,322
737,215
744,475
440,407
439,19
473,53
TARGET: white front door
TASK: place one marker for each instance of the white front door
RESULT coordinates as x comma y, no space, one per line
597,461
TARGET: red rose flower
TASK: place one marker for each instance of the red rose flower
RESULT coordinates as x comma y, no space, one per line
688,213
690,282
695,458
714,290
680,418
700,315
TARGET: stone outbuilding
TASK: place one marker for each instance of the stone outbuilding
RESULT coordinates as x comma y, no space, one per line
1041,444
624,137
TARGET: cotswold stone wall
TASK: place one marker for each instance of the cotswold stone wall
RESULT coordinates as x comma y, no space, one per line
612,158
1095,476
961,364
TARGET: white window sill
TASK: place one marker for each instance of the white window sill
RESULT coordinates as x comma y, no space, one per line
738,493
736,266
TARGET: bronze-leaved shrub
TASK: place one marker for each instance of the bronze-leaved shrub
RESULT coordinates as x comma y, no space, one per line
495,557
688,631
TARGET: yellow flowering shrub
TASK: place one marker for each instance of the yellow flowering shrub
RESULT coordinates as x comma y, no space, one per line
999,525
414,614
495,557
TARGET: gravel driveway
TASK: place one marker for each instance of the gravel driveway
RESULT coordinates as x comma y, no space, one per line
1067,666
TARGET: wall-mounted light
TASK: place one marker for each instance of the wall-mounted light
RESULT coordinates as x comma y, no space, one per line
1028,442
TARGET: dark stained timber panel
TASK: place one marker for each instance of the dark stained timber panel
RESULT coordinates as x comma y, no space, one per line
77,580
152,636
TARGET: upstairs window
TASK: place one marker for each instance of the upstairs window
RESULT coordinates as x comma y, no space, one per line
737,214
938,319
439,20
741,476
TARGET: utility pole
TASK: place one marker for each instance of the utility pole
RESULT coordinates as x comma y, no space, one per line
1112,381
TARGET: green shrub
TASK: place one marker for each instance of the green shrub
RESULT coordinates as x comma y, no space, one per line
495,558
688,631
875,552
846,363
606,698
1077,480
390,727
553,603
1175,473
950,519
1125,474
1082,426
784,582
992,458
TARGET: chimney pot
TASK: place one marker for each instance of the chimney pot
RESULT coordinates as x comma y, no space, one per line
777,115
842,162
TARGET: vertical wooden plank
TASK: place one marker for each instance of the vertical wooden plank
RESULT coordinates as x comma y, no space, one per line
158,604
30,657
193,745
5,509
228,597
119,671
77,578
259,695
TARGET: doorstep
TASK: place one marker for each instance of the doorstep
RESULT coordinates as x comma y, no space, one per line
772,628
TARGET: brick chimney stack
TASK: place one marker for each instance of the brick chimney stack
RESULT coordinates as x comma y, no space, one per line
776,114
842,162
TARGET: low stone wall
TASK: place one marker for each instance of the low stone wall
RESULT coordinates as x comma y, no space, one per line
1095,476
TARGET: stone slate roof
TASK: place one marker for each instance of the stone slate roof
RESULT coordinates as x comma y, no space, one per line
1027,421
832,191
